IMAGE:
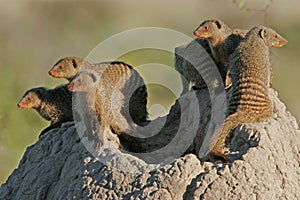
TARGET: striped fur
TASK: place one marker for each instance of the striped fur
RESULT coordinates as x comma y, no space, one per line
250,74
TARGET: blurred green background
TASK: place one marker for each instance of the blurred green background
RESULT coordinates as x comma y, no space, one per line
35,34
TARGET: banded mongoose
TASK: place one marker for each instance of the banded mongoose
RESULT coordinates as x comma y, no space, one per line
121,75
54,105
250,73
104,101
222,40
189,73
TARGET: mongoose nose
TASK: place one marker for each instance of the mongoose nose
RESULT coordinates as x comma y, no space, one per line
284,42
18,105
50,73
195,33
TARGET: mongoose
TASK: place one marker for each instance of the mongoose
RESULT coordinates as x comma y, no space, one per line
54,105
186,69
120,74
250,74
102,100
222,40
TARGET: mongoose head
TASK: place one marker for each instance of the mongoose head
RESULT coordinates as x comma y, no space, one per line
214,30
270,37
66,67
32,98
84,81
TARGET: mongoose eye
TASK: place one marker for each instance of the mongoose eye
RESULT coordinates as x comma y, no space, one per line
276,36
28,98
205,28
60,67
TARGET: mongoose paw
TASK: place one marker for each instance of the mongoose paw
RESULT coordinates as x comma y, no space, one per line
214,155
114,139
99,144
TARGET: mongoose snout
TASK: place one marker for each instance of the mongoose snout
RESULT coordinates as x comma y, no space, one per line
55,73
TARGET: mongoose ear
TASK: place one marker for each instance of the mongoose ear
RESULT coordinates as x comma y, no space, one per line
74,63
218,23
38,93
94,77
263,33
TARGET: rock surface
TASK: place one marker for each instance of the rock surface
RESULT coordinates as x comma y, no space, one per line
265,164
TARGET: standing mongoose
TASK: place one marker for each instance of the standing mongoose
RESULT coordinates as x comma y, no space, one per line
223,41
103,102
120,74
54,105
250,73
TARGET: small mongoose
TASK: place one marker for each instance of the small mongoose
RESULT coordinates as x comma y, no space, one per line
102,100
54,105
250,74
121,75
190,75
223,41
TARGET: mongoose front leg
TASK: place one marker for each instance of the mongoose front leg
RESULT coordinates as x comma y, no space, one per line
94,132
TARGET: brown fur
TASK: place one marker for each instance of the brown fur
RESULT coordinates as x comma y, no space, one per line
54,105
186,69
120,74
222,42
250,73
102,100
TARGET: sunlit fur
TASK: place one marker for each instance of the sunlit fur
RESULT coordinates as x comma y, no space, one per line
250,73
54,105
120,74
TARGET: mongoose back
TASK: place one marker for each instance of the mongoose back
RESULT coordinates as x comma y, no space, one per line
186,69
120,74
54,105
222,40
103,100
250,74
